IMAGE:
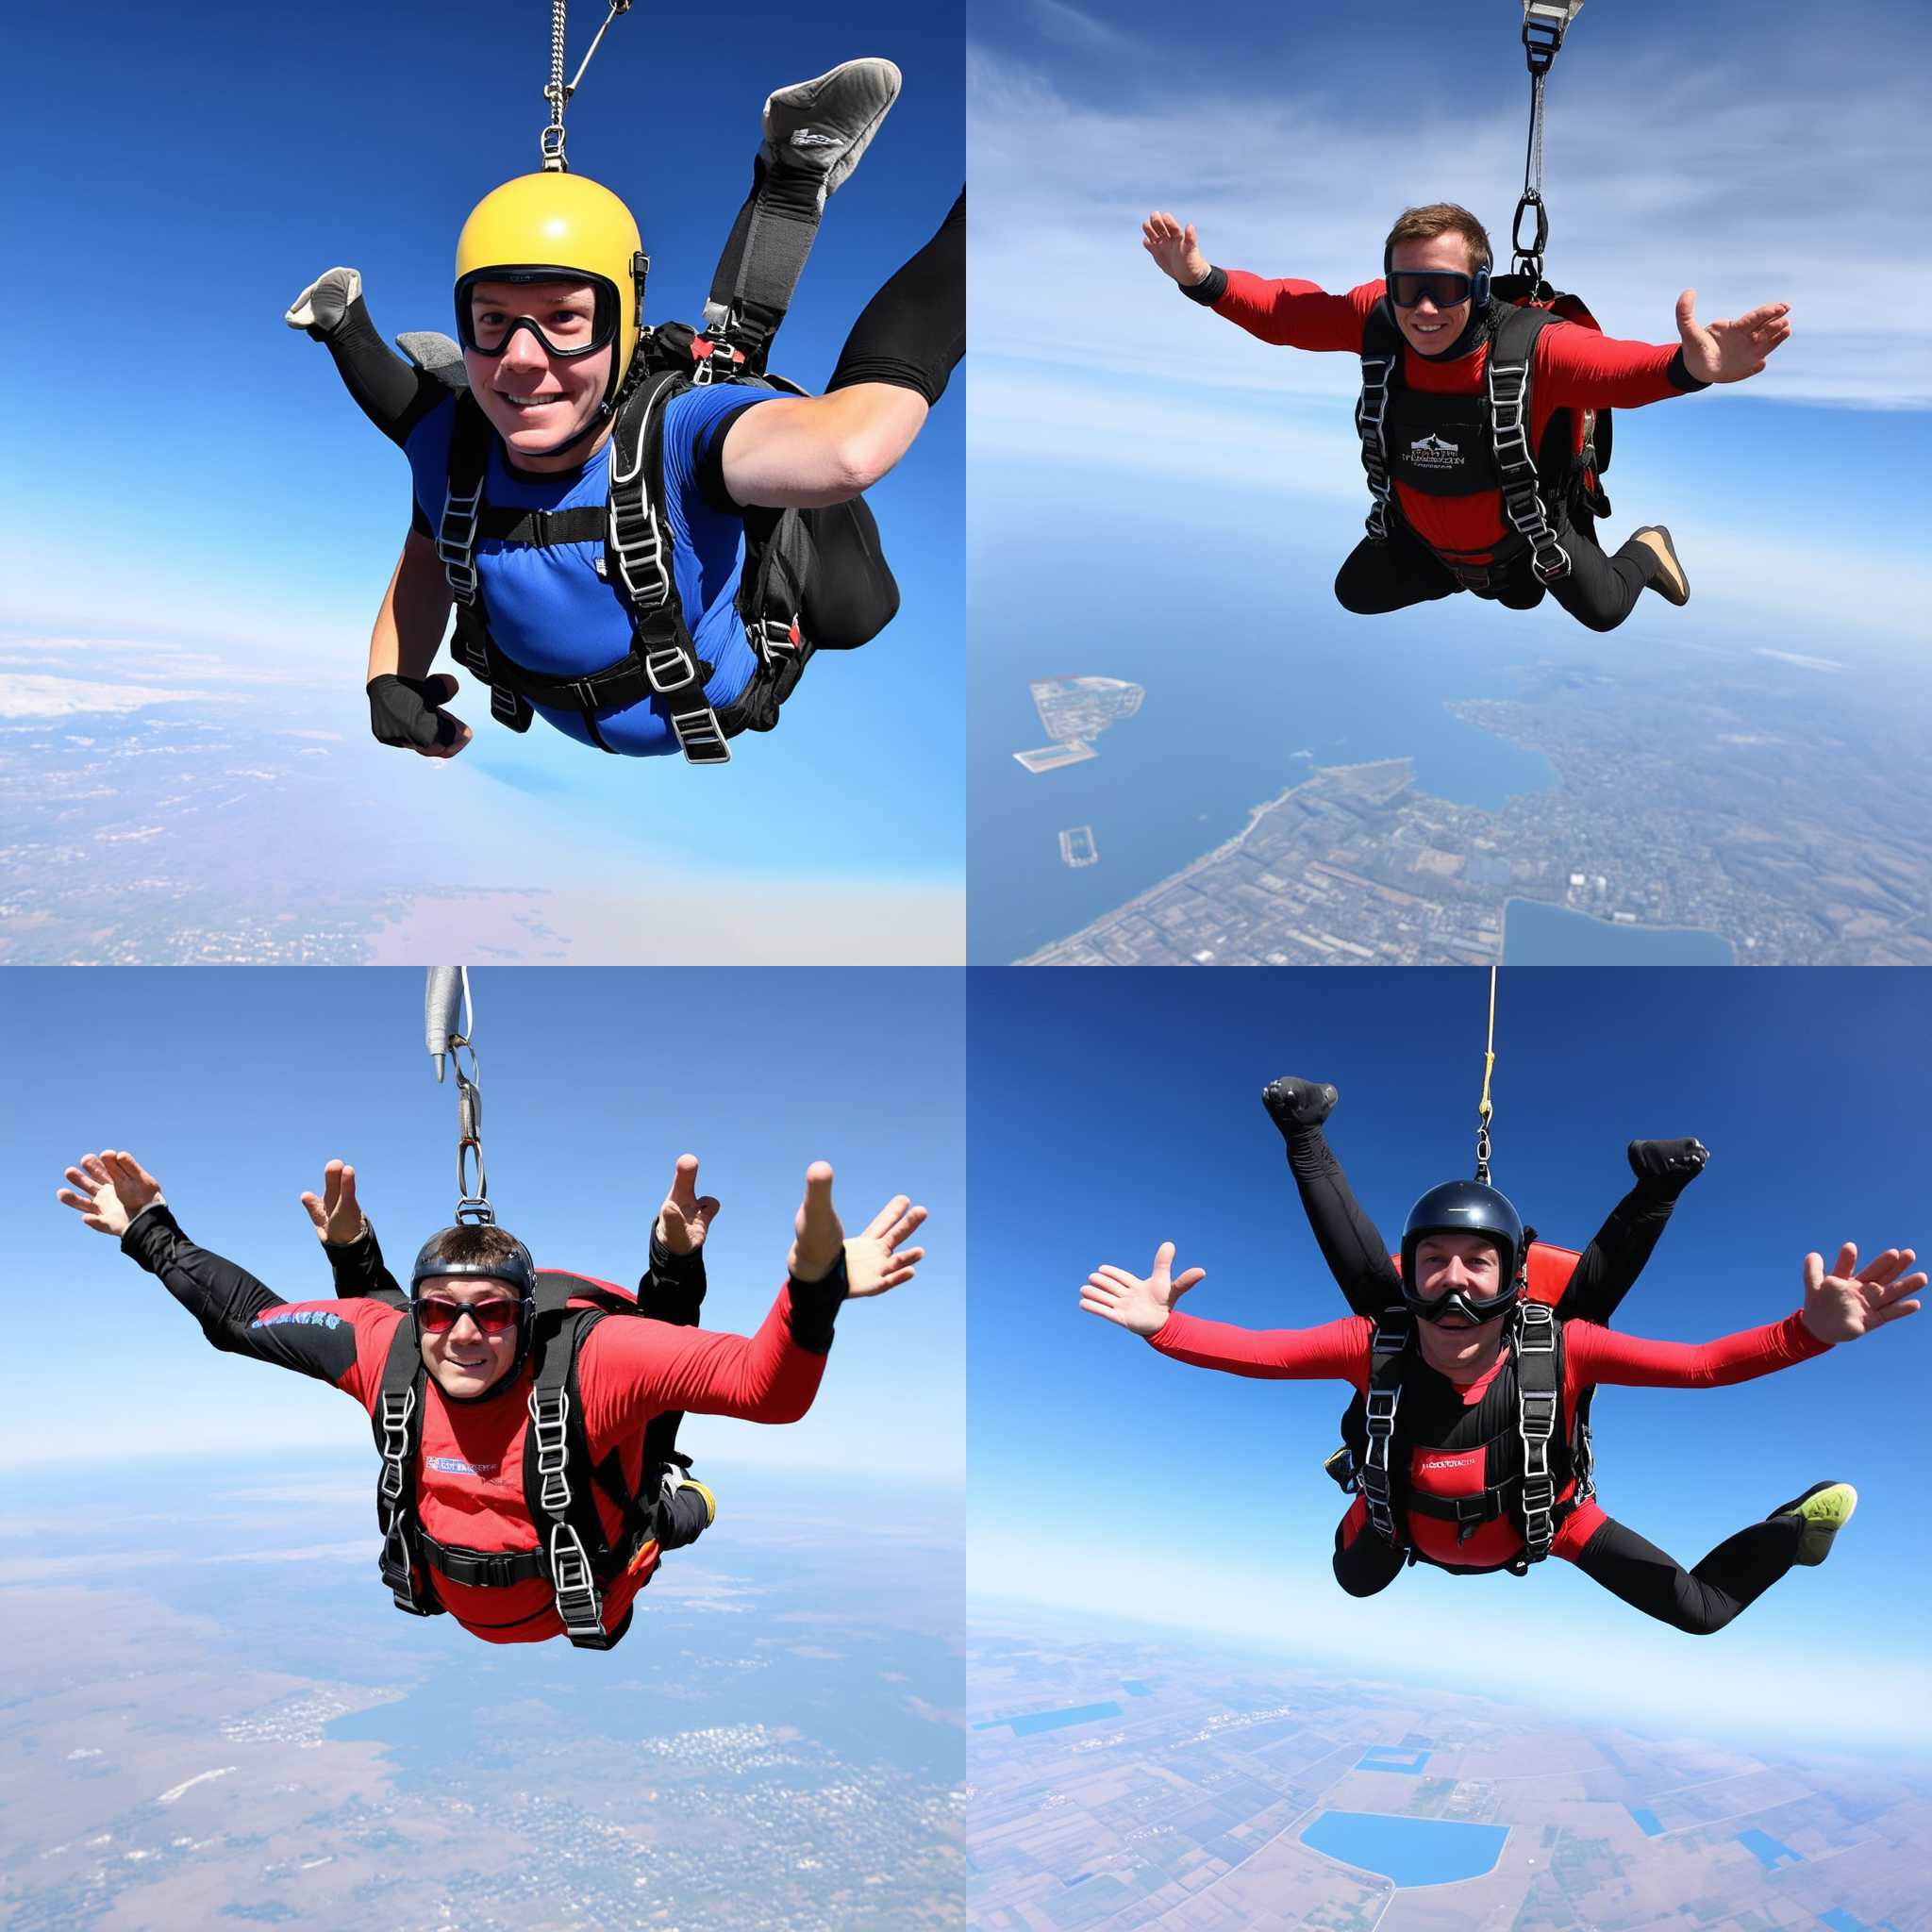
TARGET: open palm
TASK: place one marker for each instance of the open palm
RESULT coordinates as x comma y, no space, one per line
1140,1303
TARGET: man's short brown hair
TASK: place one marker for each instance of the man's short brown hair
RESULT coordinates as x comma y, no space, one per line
473,1244
1441,218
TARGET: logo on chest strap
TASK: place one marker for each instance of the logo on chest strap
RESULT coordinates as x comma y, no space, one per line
1433,452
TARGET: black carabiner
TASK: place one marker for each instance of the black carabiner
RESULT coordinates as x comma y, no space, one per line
1531,199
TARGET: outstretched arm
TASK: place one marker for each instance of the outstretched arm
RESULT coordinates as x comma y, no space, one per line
114,1194
1291,314
405,701
1841,1307
1144,1305
893,368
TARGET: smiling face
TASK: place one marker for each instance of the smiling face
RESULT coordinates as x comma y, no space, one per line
535,399
466,1360
1425,327
1460,1348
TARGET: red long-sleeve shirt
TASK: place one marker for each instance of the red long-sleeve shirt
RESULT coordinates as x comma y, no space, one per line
1591,1355
1575,368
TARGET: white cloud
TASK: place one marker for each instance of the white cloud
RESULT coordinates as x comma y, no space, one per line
1666,179
35,697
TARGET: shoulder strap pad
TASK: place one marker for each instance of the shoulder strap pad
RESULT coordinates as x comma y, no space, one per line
437,355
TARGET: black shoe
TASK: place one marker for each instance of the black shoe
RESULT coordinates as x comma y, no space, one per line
1292,1103
1676,1163
686,1509
1666,576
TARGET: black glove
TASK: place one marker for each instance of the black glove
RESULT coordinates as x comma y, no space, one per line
404,711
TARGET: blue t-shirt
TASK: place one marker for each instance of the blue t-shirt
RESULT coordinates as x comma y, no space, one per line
550,608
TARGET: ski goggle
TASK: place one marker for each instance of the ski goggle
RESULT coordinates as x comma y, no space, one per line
436,1316
1436,1308
1444,287
579,324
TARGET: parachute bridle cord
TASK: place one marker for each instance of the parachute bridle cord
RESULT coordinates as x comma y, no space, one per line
1543,22
1483,1108
550,142
448,992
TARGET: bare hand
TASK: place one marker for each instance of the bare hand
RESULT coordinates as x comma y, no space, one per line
108,1190
1731,351
686,1216
873,1261
818,1238
1843,1305
337,1217
1142,1306
1174,248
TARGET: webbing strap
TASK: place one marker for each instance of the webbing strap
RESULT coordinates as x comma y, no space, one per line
1374,1479
1371,412
1539,1398
1507,382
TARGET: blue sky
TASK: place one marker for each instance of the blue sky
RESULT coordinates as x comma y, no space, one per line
1110,1112
1752,151
235,1088
195,172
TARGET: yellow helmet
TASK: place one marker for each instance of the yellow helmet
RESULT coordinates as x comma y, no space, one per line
552,227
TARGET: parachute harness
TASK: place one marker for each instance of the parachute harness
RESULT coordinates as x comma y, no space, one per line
550,142
447,996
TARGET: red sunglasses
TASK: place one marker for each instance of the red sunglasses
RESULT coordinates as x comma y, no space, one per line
497,1316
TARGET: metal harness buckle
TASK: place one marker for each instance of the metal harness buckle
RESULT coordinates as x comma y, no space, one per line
547,1421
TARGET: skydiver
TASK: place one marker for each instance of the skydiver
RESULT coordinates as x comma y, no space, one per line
471,1315
1442,520
1458,1408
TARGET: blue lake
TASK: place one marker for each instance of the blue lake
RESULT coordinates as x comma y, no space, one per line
1841,1921
1409,1850
1538,935
1036,1721
1388,1758
1647,1822
1770,1853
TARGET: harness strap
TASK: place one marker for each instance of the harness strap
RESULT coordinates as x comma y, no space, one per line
1539,1399
1374,1479
398,1424
482,1568
546,528
1512,347
1381,358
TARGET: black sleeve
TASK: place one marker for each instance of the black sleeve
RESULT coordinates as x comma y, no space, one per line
238,1314
360,1272
1678,376
1208,290
395,395
815,1306
672,1287
708,467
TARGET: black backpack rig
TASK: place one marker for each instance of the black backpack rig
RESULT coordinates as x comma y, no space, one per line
560,1481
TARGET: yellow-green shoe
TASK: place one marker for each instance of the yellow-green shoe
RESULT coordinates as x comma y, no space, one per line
1825,1510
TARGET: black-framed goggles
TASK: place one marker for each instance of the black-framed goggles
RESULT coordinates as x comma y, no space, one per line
489,333
1444,287
1471,1309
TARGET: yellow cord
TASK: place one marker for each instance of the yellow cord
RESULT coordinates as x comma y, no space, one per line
1489,1052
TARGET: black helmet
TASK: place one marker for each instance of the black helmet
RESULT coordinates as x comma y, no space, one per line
1464,1208
515,1270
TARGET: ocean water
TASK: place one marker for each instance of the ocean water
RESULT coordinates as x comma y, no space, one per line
1538,935
1253,674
